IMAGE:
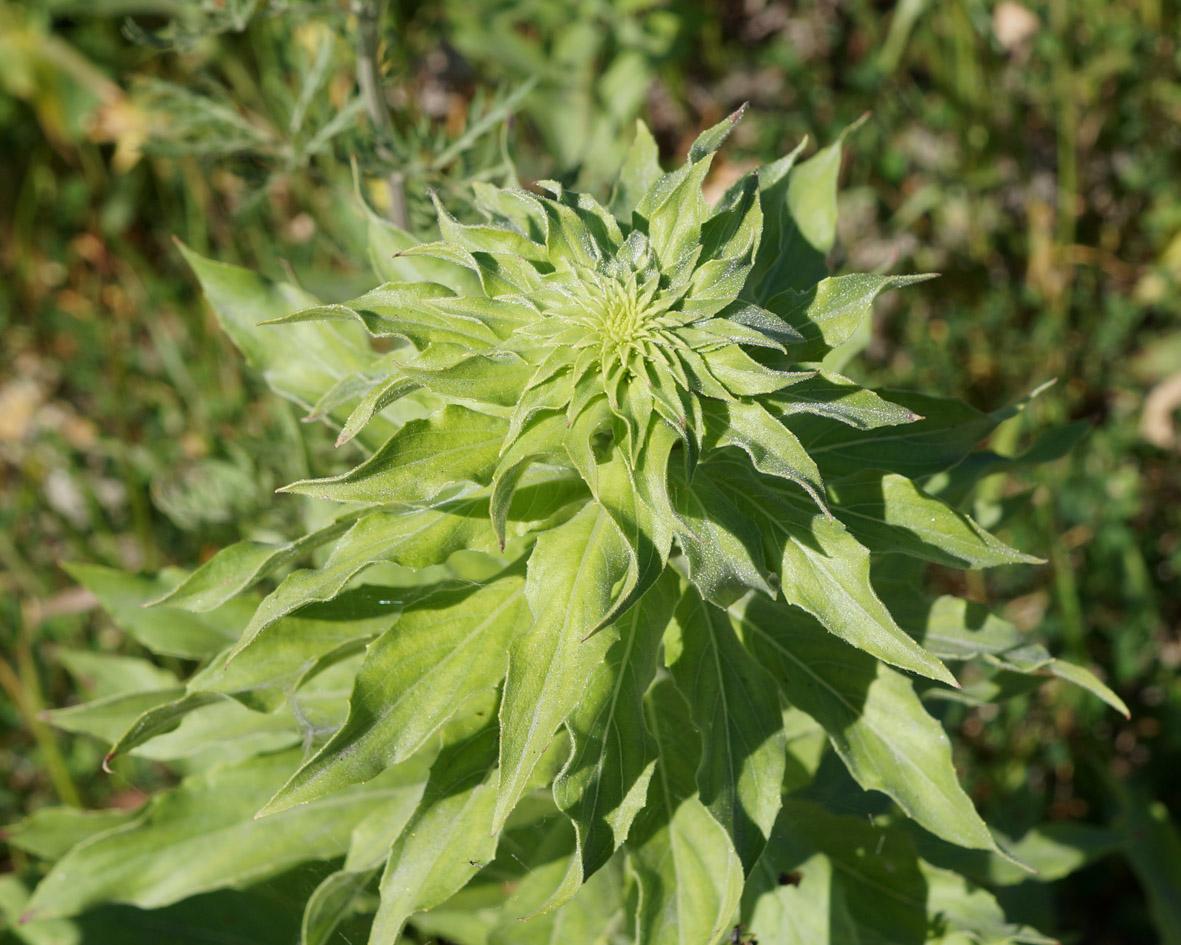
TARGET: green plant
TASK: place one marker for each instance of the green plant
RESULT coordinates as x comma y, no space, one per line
635,558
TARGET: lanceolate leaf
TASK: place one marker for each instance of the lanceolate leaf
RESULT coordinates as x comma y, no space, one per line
441,652
945,435
200,836
828,314
723,546
239,566
299,362
605,781
572,573
824,570
450,837
831,395
889,513
164,630
872,716
423,458
688,874
773,449
735,705
413,539
264,675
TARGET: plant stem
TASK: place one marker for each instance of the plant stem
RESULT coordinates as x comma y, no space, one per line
369,14
24,690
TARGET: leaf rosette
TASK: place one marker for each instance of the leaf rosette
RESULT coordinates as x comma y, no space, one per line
624,517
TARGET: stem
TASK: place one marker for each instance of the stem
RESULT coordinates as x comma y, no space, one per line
369,14
24,690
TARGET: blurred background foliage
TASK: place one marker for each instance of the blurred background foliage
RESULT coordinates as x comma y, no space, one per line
1029,152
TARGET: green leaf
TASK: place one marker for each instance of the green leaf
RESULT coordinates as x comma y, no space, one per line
884,889
441,652
605,780
497,379
735,705
239,566
572,572
159,719
742,375
413,539
450,836
266,673
225,730
379,397
641,169
828,314
391,262
773,449
964,912
872,715
51,832
1083,677
689,877
200,836
165,630
402,310
824,570
889,513
261,915
838,398
419,461
956,629
723,547
107,719
715,136
299,362
103,675
336,898
1152,845
947,432
796,896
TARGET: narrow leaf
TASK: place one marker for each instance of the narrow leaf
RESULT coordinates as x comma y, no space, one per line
872,715
689,876
416,675
605,781
889,513
572,571
735,705
419,461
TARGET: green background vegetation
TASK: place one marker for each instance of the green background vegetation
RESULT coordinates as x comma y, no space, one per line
1030,154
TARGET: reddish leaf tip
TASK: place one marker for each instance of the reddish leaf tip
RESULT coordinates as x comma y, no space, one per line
107,762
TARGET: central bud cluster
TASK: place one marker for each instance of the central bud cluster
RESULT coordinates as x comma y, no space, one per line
619,313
